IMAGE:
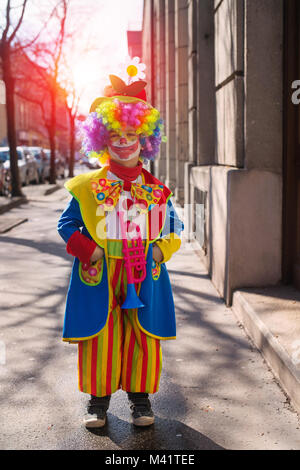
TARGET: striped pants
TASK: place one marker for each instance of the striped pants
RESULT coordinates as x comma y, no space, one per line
121,356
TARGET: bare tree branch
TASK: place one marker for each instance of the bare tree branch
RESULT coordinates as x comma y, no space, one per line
29,44
4,35
60,42
19,22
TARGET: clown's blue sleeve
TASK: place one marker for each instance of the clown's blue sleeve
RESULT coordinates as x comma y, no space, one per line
170,239
70,220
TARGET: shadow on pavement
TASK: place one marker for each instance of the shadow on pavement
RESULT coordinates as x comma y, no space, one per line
164,434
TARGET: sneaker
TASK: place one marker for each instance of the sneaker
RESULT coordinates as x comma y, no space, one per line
141,412
96,412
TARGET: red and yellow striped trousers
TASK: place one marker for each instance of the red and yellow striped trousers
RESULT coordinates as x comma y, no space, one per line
122,355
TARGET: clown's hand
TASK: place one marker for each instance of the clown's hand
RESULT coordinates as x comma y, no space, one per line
97,254
157,254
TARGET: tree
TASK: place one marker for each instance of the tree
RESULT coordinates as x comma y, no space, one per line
6,41
50,55
72,101
33,84
10,46
72,104
48,72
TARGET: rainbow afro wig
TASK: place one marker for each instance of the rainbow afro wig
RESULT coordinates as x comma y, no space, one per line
115,114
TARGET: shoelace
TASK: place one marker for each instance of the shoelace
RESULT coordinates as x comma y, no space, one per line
99,402
140,405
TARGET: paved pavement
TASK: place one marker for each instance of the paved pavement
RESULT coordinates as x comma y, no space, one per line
216,390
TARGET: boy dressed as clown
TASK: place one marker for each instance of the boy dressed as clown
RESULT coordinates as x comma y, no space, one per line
121,228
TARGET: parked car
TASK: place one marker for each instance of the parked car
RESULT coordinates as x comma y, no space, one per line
59,163
6,180
43,163
2,179
92,163
26,162
83,160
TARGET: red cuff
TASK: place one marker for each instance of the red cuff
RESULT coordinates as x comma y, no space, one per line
81,246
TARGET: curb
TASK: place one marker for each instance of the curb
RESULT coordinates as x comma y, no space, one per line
17,201
275,355
52,190
9,224
13,202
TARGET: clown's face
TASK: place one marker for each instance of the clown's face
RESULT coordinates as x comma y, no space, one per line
125,147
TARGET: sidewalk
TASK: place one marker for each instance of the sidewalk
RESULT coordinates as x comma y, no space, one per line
35,192
216,366
271,317
31,193
7,203
216,390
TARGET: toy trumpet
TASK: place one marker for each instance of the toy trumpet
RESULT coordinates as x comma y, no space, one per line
134,259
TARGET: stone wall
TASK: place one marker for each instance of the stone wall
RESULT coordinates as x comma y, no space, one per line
223,78
181,94
170,95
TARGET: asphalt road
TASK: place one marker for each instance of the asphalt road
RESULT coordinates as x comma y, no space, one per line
216,390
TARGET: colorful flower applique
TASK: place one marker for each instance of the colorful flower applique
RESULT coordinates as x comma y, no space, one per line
107,193
155,270
91,273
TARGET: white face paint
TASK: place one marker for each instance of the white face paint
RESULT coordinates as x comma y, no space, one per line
124,147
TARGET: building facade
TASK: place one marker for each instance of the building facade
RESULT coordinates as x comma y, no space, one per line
223,75
134,43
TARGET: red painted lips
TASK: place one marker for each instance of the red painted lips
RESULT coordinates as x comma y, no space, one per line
124,152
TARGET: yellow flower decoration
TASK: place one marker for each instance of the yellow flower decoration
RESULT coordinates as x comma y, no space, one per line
135,69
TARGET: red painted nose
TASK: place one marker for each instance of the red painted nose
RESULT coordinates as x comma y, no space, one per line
123,140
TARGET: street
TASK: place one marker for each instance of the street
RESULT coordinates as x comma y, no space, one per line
216,390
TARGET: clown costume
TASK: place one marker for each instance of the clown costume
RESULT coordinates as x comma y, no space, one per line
121,228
